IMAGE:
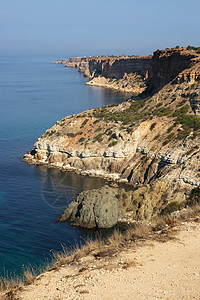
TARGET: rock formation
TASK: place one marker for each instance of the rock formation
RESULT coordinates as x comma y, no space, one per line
151,143
127,74
134,74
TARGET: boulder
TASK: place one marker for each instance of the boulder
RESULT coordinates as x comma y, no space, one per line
94,208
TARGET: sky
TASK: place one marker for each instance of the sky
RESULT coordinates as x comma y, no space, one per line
103,27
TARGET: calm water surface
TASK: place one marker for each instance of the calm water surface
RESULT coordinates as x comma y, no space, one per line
34,94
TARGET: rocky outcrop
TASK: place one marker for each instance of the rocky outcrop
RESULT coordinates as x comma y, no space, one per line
111,67
151,143
167,64
130,83
107,206
94,208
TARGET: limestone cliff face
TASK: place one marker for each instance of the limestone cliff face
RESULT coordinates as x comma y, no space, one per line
129,74
167,64
148,143
136,141
134,74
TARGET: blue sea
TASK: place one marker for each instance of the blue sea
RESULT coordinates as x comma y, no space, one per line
34,94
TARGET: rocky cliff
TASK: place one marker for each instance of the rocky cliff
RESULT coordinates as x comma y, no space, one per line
134,74
128,74
167,64
151,143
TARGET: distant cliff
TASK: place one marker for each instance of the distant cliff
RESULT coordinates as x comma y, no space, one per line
134,74
128,74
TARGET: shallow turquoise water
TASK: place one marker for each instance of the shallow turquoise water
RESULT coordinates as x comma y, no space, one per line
34,94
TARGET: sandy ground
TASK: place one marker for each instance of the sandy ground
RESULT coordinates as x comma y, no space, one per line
169,270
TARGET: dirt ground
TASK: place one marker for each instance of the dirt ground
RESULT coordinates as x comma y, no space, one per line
156,270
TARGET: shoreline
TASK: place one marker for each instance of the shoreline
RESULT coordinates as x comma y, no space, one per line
132,257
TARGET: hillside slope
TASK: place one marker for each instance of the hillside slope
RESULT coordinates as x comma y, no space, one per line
151,143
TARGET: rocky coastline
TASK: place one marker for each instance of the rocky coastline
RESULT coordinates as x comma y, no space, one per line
150,142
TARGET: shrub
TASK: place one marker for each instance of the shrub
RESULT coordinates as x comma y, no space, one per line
70,134
124,195
52,132
109,132
152,126
182,103
81,140
163,111
158,105
157,136
189,121
172,206
183,110
84,122
98,138
170,129
194,197
112,144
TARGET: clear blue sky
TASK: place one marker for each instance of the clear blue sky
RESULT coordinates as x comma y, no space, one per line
89,27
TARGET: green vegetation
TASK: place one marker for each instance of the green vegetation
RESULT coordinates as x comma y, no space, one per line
183,110
129,130
128,116
70,134
82,139
153,126
168,138
194,197
172,206
124,195
109,132
158,105
170,128
84,122
157,136
192,48
98,129
182,103
98,138
113,143
51,133
188,122
163,111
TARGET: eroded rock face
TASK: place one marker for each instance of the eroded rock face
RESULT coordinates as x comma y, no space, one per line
148,143
94,208
105,207
167,64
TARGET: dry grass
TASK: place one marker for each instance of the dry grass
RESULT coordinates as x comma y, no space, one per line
159,229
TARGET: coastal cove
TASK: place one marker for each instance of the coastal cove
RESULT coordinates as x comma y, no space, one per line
34,95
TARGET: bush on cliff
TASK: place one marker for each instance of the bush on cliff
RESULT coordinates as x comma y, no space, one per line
194,197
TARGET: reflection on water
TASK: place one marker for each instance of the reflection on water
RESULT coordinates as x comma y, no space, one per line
61,188
108,95
34,94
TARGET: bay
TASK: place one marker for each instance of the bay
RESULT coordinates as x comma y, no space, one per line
34,94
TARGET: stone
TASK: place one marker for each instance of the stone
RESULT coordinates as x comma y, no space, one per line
93,208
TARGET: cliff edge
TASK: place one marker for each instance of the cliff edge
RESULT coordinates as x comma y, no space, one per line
150,143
